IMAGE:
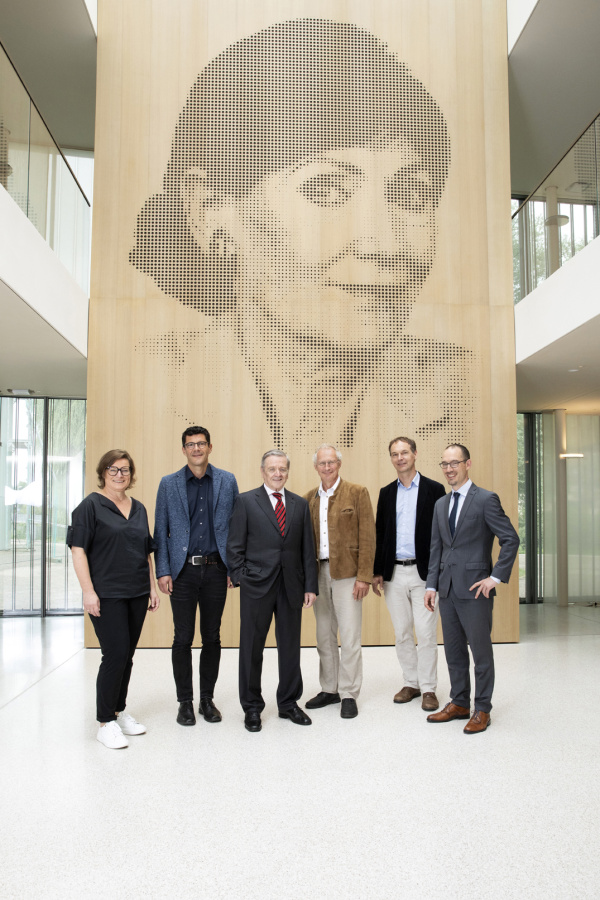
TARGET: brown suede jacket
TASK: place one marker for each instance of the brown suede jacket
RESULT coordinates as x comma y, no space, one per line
351,528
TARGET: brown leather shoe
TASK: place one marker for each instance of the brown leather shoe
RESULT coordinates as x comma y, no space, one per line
479,722
449,712
407,694
430,701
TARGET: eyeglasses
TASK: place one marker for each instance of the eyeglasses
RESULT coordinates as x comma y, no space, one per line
327,463
452,465
190,445
124,470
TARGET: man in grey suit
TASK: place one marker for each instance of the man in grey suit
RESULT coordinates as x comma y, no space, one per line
465,523
272,557
193,508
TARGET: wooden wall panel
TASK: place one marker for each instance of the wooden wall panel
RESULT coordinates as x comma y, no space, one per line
346,287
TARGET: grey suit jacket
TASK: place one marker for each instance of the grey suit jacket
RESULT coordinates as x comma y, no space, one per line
257,552
461,561
172,518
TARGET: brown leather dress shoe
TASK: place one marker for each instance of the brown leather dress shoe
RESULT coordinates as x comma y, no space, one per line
479,722
449,712
407,694
430,701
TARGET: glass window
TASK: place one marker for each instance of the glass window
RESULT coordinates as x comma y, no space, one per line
41,478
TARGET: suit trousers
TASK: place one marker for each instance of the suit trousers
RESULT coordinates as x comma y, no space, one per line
204,587
469,623
404,597
255,621
118,629
340,670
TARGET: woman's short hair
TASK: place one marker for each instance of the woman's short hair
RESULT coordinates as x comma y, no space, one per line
109,459
274,98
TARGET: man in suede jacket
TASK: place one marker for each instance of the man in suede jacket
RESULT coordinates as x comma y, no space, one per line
344,533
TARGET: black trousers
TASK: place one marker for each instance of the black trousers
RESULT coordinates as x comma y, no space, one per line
118,629
255,621
203,587
469,623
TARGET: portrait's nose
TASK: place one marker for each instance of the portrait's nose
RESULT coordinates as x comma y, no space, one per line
375,231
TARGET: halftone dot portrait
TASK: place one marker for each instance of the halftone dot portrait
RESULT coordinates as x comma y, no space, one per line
298,217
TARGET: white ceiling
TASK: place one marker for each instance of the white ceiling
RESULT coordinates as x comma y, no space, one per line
52,44
36,356
554,93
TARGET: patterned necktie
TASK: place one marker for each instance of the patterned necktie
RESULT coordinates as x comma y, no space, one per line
453,511
280,512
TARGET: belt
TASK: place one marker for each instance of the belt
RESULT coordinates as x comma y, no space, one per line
405,562
211,560
324,560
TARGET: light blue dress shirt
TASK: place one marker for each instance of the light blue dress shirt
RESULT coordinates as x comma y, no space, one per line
406,518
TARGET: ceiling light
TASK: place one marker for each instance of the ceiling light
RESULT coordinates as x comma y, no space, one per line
20,392
557,220
571,455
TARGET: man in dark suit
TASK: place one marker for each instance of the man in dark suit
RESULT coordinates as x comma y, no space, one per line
191,523
271,556
465,523
403,528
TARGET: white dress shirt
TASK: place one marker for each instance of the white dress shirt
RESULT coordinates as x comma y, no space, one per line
323,530
274,499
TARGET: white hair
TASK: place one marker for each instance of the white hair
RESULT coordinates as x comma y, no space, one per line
338,453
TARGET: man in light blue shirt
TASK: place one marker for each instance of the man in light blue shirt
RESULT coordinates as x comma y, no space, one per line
403,526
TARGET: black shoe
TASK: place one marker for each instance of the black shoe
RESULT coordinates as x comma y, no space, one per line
252,720
209,710
297,715
186,716
322,699
349,708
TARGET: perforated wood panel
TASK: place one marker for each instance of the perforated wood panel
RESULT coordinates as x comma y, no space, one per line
301,234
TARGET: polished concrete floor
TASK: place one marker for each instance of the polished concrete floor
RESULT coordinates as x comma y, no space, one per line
382,806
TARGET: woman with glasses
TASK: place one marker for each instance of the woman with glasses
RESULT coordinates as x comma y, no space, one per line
111,546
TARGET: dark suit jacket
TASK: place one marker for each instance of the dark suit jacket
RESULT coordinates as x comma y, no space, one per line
257,552
465,559
172,518
385,526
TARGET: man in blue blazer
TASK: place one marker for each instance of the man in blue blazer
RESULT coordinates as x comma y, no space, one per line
191,526
465,524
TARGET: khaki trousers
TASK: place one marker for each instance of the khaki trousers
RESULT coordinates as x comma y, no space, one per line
340,670
404,596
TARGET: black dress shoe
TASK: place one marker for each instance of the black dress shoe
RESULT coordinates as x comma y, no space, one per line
322,699
297,715
252,720
209,710
349,708
186,716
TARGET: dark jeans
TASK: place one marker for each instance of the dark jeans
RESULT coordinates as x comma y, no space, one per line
255,621
204,587
468,623
118,629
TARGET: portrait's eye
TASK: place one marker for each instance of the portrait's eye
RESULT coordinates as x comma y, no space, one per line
327,189
409,192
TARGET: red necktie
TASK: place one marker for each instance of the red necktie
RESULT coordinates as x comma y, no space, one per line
280,512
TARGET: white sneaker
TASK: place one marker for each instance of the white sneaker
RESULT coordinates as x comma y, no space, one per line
128,724
111,736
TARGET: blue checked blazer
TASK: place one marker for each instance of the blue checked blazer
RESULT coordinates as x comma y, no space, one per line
172,518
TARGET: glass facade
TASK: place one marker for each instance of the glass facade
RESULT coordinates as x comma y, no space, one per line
36,175
538,508
42,465
560,217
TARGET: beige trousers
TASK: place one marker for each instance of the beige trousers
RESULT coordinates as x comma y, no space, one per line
340,670
404,596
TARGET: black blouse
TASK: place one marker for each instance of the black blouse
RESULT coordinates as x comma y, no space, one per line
116,548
